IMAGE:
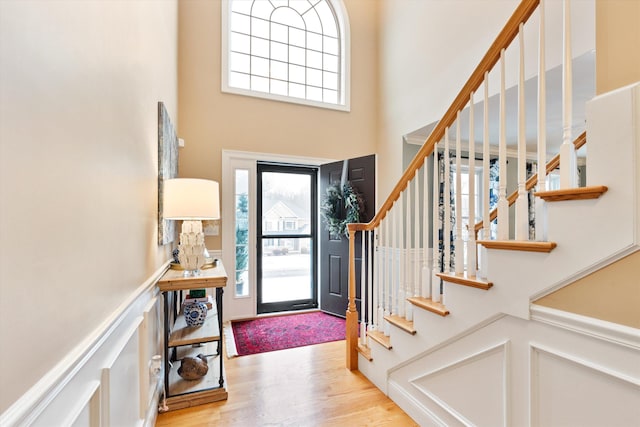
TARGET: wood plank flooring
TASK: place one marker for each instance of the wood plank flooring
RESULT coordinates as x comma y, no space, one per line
305,386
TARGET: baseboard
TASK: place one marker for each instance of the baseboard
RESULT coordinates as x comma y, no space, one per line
416,410
151,414
229,341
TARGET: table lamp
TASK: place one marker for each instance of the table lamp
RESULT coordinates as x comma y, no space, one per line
191,200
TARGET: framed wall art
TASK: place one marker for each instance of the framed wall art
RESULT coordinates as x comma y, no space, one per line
167,169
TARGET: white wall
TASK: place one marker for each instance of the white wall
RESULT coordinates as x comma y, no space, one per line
79,86
428,50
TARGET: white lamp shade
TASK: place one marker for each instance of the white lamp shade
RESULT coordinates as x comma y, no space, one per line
191,199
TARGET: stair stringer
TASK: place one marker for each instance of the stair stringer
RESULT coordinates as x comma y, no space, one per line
506,372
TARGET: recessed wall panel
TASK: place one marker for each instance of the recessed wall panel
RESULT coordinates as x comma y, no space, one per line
562,386
482,377
335,287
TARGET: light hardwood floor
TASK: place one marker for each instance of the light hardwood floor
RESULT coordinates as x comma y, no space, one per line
305,386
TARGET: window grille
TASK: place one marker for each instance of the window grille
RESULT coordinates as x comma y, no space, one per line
287,50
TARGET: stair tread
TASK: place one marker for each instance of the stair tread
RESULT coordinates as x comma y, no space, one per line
464,279
401,322
518,245
580,193
365,351
429,305
380,338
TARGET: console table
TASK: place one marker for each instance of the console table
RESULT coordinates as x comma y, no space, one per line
181,340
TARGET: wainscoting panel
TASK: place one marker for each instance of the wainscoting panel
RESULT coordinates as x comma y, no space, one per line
87,413
514,372
562,384
121,384
148,334
482,375
105,381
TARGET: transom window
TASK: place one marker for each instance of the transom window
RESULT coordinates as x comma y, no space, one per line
289,50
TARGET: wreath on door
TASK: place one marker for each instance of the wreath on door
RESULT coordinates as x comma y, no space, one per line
337,200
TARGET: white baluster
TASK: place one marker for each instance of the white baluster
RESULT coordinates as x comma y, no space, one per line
396,258
435,280
381,276
426,273
541,207
363,281
416,252
486,206
447,205
568,157
408,313
394,248
522,202
370,291
459,245
388,297
503,203
471,224
377,279
401,256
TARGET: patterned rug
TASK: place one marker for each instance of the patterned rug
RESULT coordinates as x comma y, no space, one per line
281,332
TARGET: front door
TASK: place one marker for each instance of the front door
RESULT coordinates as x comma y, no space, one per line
286,238
334,248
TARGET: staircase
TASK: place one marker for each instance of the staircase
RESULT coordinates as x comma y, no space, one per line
451,337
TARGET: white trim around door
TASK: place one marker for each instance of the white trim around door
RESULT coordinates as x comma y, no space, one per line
244,306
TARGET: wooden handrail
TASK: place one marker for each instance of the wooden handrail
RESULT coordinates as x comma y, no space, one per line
522,13
533,180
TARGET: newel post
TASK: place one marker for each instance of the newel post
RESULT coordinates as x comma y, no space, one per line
352,313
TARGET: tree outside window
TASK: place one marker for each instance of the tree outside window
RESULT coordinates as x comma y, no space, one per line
242,243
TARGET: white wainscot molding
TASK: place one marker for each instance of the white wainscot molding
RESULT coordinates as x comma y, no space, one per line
573,390
105,381
484,375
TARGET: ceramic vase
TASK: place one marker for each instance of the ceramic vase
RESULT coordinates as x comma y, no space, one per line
195,313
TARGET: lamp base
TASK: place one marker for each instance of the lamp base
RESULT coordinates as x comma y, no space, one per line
191,273
192,252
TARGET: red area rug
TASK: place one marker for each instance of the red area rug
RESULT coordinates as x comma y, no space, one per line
281,332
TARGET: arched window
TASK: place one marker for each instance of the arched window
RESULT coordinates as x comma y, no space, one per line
288,50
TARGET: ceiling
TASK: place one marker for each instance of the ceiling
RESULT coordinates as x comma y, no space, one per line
583,91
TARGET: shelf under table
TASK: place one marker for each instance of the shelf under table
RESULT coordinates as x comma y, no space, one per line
184,335
185,393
